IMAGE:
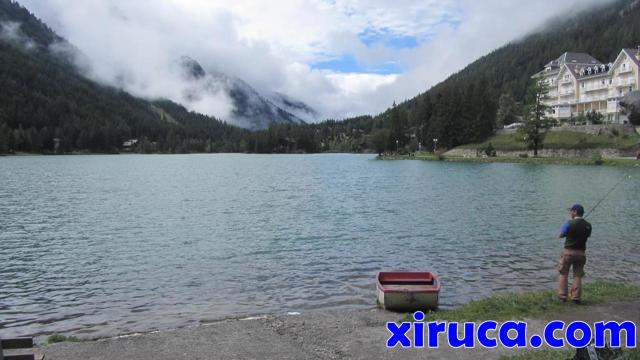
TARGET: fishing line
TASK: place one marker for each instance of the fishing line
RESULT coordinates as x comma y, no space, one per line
626,176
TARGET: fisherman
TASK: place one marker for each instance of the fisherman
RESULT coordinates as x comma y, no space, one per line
575,231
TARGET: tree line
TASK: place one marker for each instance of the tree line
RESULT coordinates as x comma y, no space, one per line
47,106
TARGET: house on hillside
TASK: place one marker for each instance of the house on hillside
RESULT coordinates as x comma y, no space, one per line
129,145
578,83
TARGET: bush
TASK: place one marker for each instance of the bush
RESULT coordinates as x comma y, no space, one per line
597,159
594,118
490,150
57,338
523,155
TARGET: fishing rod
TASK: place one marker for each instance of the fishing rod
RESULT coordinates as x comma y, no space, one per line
626,176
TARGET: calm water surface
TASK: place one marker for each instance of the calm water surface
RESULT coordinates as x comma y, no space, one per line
104,245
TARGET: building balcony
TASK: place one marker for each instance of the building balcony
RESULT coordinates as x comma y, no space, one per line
625,82
593,98
595,88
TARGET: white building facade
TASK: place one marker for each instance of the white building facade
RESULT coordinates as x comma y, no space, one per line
578,83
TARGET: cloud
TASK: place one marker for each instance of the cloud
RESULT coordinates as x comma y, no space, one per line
10,31
342,57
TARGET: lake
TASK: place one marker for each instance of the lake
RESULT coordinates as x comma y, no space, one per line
103,245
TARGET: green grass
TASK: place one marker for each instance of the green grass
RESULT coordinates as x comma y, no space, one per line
515,306
560,140
57,338
515,159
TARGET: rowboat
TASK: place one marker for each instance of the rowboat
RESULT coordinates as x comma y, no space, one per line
408,291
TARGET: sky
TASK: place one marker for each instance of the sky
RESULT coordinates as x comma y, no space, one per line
342,57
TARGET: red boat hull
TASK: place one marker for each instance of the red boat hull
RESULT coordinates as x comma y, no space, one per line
408,291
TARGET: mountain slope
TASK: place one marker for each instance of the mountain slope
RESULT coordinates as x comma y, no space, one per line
45,97
462,108
251,109
295,107
32,28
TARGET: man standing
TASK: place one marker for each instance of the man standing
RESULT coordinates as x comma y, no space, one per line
576,232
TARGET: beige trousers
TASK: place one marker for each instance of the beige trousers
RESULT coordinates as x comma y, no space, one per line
571,259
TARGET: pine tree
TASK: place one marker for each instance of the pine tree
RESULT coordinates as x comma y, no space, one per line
536,122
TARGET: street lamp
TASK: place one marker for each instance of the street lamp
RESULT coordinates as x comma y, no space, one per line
397,147
435,145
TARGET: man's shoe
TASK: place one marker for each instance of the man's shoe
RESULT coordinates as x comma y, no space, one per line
577,302
562,299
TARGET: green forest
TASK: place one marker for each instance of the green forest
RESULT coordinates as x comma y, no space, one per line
48,106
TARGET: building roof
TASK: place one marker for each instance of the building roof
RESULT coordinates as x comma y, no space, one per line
573,58
581,71
633,54
579,64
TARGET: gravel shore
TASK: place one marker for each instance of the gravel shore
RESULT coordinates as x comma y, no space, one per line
339,334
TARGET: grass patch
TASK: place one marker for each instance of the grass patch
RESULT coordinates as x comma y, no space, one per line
517,306
58,338
548,160
560,140
521,160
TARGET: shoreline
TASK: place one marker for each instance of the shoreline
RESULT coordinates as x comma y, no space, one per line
628,162
351,333
24,154
331,334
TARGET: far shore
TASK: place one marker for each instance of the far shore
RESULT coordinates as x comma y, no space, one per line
620,161
26,154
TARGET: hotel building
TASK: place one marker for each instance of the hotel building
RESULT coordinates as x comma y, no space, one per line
579,83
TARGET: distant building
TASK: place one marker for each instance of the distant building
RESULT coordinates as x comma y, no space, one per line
129,144
579,83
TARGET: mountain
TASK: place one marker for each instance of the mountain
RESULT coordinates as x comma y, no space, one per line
295,107
47,105
462,108
44,96
251,109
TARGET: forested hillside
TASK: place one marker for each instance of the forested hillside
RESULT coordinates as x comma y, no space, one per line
462,109
44,97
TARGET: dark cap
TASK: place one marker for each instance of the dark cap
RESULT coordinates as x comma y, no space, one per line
578,209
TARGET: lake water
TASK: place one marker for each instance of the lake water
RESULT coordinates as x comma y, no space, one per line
104,245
